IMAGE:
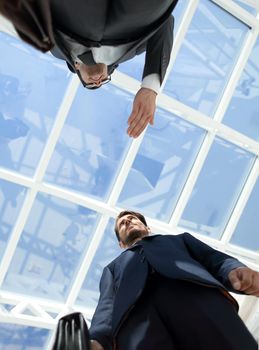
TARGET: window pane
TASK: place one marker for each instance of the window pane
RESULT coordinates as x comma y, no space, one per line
14,337
107,251
246,233
207,57
217,189
161,166
32,86
245,6
11,200
93,142
243,111
134,68
50,249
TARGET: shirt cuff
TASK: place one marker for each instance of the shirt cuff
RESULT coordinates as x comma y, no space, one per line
152,81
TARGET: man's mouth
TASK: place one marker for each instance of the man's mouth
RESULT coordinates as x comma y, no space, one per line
130,228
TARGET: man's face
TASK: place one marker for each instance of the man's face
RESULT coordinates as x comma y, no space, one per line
131,230
94,74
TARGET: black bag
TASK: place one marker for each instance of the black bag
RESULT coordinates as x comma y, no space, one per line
72,333
32,21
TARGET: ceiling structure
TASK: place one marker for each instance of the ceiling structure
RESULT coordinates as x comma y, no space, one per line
67,166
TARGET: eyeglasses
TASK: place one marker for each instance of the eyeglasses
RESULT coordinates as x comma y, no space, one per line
94,86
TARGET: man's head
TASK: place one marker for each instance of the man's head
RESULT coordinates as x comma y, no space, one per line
130,227
93,76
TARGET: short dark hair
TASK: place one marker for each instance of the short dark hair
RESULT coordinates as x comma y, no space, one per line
128,212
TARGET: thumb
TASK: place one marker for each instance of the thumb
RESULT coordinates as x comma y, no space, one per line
234,279
236,285
133,114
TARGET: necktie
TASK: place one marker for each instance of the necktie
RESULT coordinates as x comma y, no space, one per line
87,58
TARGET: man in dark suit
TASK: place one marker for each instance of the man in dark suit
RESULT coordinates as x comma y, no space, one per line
95,36
170,292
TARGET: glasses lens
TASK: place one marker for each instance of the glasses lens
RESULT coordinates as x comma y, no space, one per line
92,85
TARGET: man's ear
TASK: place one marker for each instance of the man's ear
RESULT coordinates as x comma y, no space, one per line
149,229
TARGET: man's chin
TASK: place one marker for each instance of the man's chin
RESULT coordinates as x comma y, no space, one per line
132,237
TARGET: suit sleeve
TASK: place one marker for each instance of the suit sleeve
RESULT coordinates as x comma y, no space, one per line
158,50
217,263
100,329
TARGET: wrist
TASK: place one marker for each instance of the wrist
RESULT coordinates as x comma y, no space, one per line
148,90
152,82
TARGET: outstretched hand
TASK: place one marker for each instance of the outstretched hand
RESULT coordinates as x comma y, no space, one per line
245,280
143,111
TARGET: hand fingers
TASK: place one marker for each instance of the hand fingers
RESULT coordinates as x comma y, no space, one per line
136,127
139,122
246,280
138,130
143,112
240,279
233,277
135,117
253,289
135,121
135,113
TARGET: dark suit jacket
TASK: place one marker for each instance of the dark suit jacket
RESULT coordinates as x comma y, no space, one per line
155,39
181,257
37,22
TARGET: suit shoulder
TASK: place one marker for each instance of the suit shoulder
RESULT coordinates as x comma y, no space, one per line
114,262
170,236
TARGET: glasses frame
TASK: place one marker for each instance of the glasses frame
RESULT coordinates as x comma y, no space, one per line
93,85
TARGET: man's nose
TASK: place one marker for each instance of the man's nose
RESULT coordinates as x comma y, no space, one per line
96,77
128,221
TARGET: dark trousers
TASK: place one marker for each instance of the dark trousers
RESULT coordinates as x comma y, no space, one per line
180,315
